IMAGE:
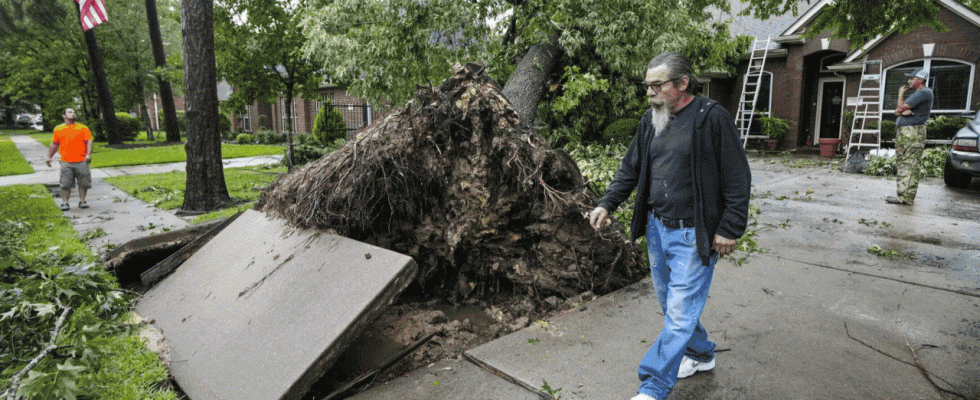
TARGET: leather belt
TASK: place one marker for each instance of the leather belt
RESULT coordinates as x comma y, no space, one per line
675,223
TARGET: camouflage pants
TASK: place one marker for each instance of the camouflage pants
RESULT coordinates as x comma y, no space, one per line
908,159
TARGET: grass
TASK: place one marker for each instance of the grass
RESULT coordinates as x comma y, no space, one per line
166,190
35,205
18,131
11,161
115,364
103,156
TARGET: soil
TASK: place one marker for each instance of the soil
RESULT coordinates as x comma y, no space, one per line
454,329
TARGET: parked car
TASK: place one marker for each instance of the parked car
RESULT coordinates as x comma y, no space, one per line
24,120
963,160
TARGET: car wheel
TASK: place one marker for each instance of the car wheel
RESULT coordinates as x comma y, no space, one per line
954,178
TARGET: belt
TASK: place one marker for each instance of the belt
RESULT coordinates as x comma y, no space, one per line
675,223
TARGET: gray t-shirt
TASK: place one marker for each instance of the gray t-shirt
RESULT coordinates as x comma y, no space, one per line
921,104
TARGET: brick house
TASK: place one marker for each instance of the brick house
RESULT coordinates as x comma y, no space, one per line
357,112
811,82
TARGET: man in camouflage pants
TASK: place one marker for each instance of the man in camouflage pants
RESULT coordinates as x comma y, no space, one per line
911,139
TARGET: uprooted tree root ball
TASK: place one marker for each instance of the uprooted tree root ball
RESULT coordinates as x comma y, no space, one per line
486,210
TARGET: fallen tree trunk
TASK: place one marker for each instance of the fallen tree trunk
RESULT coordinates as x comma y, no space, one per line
485,208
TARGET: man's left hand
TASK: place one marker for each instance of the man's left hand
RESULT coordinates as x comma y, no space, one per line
724,246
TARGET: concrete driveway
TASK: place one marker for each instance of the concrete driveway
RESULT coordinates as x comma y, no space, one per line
815,315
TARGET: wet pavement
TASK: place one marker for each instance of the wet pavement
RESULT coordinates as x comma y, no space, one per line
814,315
121,216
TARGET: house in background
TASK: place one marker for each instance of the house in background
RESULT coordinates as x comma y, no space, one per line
810,82
357,113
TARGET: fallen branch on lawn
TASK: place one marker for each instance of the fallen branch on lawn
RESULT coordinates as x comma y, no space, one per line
11,392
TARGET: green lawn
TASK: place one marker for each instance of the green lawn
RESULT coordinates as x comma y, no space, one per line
103,156
166,190
46,270
11,161
34,205
18,131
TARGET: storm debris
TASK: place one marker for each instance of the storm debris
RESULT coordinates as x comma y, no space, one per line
487,210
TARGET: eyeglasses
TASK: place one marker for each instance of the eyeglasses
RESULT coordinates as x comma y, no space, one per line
657,86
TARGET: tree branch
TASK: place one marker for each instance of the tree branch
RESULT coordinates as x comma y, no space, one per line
11,392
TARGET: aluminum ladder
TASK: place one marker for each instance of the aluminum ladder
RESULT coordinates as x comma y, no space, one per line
866,126
751,84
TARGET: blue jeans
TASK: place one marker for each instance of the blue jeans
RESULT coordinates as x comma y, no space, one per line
681,282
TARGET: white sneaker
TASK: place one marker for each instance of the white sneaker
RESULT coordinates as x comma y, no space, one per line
689,367
642,396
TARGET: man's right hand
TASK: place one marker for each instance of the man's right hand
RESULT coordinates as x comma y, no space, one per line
48,161
599,218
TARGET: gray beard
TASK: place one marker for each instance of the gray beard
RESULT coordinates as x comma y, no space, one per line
659,118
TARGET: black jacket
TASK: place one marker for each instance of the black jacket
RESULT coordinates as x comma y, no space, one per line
721,175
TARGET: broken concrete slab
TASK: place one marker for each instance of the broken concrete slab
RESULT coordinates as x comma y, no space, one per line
134,257
263,309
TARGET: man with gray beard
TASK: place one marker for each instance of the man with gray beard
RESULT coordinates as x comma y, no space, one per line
692,179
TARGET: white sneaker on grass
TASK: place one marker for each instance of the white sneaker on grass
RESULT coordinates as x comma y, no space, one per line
689,367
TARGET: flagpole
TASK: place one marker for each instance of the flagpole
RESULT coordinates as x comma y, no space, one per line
101,85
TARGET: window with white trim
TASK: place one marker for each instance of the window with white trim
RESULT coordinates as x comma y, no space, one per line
282,113
245,120
949,80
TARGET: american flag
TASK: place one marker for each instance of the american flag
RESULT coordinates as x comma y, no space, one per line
93,13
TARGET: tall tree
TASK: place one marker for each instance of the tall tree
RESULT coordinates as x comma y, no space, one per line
160,61
205,189
42,55
258,51
383,49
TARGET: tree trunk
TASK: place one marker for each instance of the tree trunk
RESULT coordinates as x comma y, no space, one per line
526,84
102,88
205,189
142,106
160,59
289,123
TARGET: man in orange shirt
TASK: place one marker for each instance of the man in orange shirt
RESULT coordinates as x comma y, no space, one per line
75,143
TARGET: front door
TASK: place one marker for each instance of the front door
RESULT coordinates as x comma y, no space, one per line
830,106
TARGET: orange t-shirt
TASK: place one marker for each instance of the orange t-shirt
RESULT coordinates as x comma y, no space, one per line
72,141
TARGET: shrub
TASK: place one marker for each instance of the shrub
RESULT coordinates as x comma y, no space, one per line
265,136
305,138
181,120
944,126
621,131
128,126
329,124
773,127
933,162
303,153
243,138
224,125
888,130
95,126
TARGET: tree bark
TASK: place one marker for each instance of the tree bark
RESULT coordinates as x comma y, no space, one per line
102,87
160,59
205,189
524,87
289,122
